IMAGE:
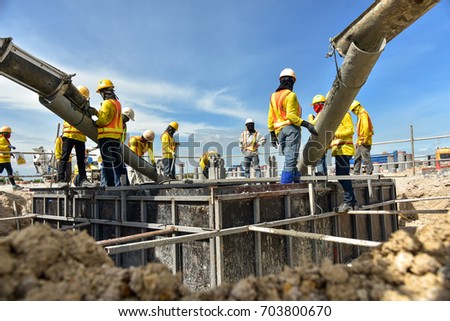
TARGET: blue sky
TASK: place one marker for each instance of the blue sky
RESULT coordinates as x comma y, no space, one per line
211,64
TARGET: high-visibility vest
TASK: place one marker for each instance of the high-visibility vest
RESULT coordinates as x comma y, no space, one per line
253,146
70,131
114,129
278,109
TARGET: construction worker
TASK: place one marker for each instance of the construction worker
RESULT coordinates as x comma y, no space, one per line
5,158
127,115
71,138
364,130
141,145
284,121
249,142
342,149
169,147
205,161
110,130
317,103
58,154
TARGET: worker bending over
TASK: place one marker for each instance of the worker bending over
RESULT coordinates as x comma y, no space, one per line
206,159
141,145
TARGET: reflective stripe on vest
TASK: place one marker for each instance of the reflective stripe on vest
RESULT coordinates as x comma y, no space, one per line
71,130
276,101
115,126
253,145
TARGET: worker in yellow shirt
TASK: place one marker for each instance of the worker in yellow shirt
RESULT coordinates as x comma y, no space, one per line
110,129
141,145
71,138
364,130
317,103
342,149
58,153
205,161
284,121
5,158
169,147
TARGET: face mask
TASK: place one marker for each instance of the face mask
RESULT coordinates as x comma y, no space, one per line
318,107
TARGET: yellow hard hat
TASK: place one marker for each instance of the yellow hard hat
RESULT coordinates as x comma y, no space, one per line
149,135
84,91
5,129
104,83
174,124
288,72
318,99
354,104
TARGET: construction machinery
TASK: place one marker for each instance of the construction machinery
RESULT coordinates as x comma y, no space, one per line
57,92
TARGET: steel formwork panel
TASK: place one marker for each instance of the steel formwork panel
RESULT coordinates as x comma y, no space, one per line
226,257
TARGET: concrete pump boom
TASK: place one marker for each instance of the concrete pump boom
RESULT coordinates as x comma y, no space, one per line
57,92
361,43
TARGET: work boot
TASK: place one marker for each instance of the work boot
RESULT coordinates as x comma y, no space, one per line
87,184
344,208
17,187
286,177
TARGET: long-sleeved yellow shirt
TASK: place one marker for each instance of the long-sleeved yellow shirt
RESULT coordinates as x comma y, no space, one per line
140,147
5,147
109,120
168,145
342,143
364,127
284,109
58,149
70,131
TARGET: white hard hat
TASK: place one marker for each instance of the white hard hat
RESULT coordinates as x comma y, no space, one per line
288,72
149,135
129,112
249,120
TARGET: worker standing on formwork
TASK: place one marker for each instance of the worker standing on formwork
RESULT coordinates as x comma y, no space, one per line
364,130
5,158
127,115
342,149
141,145
110,130
318,102
169,147
58,154
71,138
284,121
249,142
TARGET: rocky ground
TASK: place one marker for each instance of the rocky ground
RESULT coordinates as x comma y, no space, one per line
39,263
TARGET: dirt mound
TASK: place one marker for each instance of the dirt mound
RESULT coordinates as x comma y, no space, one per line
23,206
40,263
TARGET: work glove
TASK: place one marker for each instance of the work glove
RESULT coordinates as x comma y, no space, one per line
309,127
274,139
11,147
91,111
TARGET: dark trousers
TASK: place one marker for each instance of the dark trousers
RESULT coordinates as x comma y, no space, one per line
112,160
9,170
343,168
80,149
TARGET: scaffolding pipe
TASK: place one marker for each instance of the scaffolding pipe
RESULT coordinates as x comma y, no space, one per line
22,217
382,212
315,236
136,236
57,92
361,43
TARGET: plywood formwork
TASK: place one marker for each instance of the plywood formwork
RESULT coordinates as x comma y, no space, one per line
211,242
